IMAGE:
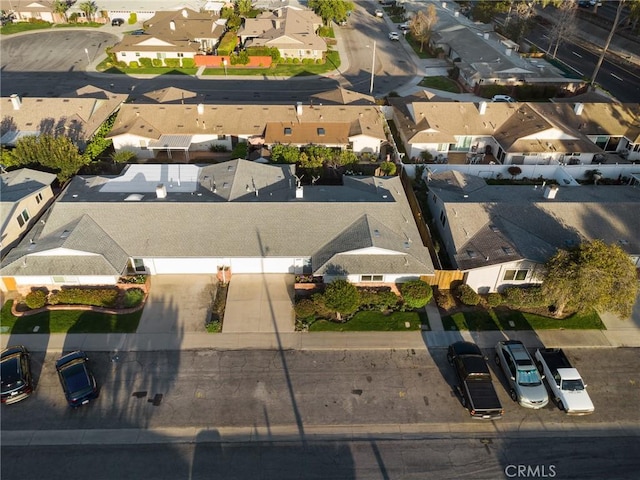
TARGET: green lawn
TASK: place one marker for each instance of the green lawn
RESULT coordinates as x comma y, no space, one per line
19,27
284,69
500,318
372,321
68,321
440,83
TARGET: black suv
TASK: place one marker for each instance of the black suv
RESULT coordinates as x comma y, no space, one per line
17,383
116,22
76,378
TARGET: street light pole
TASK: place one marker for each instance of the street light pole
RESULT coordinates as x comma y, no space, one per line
224,64
373,67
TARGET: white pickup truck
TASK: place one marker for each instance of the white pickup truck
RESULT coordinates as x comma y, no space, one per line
565,382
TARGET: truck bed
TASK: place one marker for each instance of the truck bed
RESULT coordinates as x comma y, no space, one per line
555,358
483,395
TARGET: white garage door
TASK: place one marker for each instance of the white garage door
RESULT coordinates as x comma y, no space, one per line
262,265
184,265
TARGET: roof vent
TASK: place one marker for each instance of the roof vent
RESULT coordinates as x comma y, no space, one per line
172,26
15,101
577,109
65,234
482,107
161,191
200,109
299,192
134,197
550,192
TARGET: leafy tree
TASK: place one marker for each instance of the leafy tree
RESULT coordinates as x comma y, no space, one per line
243,7
421,25
284,153
123,156
485,10
593,275
54,153
416,293
388,168
61,7
346,157
330,10
514,171
89,8
309,161
342,297
99,143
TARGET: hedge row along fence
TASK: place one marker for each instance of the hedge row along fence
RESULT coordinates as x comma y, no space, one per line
107,297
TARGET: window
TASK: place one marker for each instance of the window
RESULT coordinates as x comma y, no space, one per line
138,265
287,131
371,278
443,147
124,54
143,144
20,220
443,218
320,131
137,54
180,55
23,217
518,275
39,198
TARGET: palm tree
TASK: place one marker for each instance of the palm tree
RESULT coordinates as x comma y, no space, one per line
60,7
89,8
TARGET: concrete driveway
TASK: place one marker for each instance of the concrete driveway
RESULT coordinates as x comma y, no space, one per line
259,303
178,303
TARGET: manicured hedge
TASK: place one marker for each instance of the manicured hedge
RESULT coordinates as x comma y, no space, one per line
98,297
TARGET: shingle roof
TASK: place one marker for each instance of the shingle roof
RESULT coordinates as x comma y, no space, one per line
203,223
493,219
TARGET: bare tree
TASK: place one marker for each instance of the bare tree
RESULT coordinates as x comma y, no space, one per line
421,25
607,43
564,25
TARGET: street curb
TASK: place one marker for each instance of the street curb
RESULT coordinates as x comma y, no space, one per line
315,433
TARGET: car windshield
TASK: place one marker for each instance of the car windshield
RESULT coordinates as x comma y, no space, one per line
76,377
573,385
528,377
10,373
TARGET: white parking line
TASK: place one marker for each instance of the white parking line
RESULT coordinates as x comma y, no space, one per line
617,77
576,54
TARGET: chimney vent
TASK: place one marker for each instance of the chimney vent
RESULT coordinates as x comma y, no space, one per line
185,14
550,192
299,192
200,109
577,109
15,101
299,108
172,26
161,191
482,108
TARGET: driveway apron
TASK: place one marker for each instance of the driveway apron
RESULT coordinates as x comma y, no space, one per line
259,303
178,303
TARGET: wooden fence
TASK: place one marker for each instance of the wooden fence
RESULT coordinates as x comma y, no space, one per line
444,279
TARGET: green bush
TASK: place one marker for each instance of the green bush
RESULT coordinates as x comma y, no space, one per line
98,297
133,19
416,293
388,168
146,62
342,296
305,308
123,156
445,299
36,298
377,299
188,63
240,150
172,62
494,299
524,297
227,44
220,302
157,62
321,307
467,295
134,64
133,297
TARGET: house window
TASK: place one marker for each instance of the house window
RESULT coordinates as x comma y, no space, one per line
180,55
138,265
143,144
443,147
518,275
320,131
371,278
443,218
23,217
39,198
137,54
123,54
57,279
287,131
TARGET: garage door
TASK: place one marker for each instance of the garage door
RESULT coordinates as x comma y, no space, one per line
182,265
262,265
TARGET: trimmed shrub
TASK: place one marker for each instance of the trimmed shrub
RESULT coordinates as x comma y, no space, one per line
157,62
133,19
494,299
134,64
445,299
188,63
416,293
146,62
36,298
467,295
377,299
172,62
98,297
342,296
133,297
305,308
525,297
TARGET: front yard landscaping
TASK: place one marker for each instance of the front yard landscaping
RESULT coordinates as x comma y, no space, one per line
68,321
373,321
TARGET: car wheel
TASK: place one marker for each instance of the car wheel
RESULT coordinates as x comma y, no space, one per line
560,405
514,395
450,360
463,401
497,359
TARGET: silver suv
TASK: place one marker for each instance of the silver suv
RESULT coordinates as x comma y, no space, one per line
524,380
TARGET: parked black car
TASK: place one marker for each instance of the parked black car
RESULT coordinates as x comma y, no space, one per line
17,382
475,386
116,22
76,378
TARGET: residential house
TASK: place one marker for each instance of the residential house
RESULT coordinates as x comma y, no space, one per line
24,195
29,10
180,130
77,115
173,34
501,235
289,29
518,133
246,216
